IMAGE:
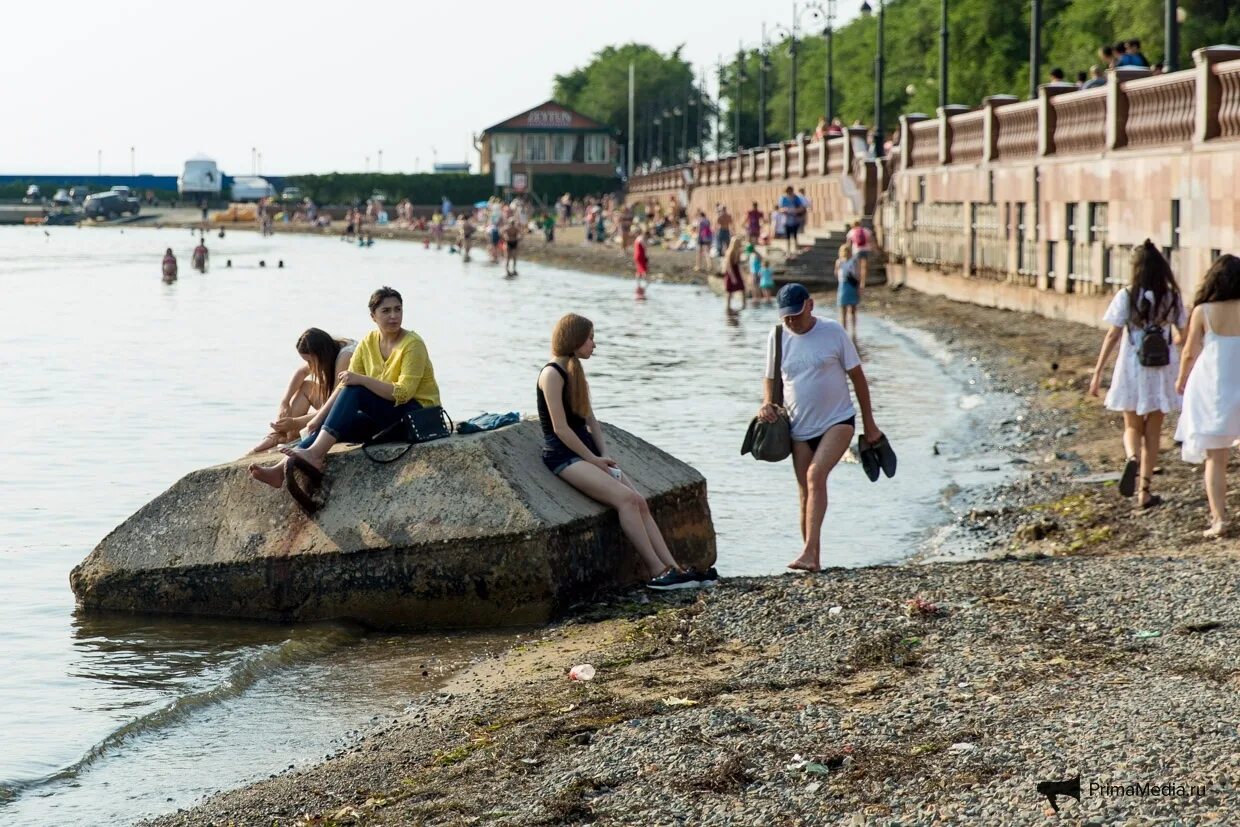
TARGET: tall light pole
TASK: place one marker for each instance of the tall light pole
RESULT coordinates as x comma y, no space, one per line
699,114
380,168
133,166
1171,22
764,66
736,100
791,36
658,122
827,16
628,138
943,54
1035,46
878,78
718,105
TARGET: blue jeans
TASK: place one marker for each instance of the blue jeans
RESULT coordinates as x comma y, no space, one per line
358,414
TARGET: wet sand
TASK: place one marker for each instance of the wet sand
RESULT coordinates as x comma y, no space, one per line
1091,642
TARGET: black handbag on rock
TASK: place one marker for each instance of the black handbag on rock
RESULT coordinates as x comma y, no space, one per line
772,441
419,425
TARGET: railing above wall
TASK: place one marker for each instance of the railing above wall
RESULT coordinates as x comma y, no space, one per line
1134,110
777,162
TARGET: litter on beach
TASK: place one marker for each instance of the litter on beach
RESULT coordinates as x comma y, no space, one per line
581,672
679,702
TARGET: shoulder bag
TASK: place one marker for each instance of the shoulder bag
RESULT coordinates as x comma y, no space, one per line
419,425
772,441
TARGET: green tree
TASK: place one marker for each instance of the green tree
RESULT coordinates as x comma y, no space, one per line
663,84
988,51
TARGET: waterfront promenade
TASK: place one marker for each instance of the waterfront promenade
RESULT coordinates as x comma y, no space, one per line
1025,205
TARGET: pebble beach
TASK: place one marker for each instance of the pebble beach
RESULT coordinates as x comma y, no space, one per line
1075,637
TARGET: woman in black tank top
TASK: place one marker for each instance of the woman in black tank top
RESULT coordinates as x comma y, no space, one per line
574,450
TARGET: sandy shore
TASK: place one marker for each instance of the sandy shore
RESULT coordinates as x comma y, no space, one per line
1096,641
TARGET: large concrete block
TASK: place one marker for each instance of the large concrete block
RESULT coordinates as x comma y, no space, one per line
464,532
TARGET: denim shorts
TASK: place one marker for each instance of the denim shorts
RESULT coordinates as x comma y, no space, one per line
557,456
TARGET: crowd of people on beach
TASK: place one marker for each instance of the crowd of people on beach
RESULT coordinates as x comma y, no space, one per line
354,390
1168,357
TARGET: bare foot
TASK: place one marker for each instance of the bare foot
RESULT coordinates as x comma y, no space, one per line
304,454
804,563
272,475
270,441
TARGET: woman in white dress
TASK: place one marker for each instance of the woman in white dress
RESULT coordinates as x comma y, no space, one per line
1210,381
1149,308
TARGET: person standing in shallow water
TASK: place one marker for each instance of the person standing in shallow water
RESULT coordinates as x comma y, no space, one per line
169,266
575,450
818,361
1209,380
1149,306
389,375
201,256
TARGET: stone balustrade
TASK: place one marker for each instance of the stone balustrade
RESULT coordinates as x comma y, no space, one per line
1134,110
776,162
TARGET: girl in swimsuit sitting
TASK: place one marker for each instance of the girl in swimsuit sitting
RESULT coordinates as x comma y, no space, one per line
325,358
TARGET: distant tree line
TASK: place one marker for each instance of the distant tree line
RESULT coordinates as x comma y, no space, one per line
988,54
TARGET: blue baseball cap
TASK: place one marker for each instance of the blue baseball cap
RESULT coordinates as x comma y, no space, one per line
791,299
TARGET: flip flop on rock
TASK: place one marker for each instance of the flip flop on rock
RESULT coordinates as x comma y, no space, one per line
307,496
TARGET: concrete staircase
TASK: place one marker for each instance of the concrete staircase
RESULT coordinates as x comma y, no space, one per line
815,266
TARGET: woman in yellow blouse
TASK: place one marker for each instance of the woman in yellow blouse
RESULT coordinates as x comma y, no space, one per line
390,374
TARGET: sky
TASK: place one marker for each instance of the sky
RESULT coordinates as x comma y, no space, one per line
315,87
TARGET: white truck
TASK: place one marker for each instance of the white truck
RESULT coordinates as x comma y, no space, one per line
200,177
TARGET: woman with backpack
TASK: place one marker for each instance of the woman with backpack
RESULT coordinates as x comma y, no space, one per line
1210,381
1146,319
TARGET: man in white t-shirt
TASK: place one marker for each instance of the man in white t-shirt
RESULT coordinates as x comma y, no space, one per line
817,362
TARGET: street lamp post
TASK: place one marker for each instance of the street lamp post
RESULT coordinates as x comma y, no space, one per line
1035,46
658,122
764,66
791,35
736,100
827,16
1171,49
671,132
878,78
685,125
718,105
943,54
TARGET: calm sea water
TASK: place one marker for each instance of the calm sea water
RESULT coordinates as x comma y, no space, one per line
117,385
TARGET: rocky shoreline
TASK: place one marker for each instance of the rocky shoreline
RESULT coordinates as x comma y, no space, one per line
1095,641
